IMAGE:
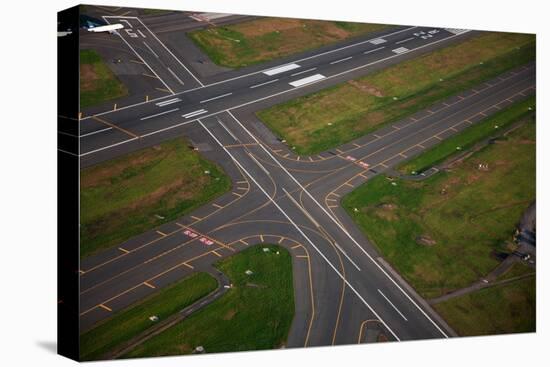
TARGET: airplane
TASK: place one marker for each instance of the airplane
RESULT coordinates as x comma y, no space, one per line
105,28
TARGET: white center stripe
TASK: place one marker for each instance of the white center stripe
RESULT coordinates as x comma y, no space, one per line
281,69
391,304
150,49
403,41
174,75
194,113
158,114
376,49
309,79
259,85
344,59
218,97
303,71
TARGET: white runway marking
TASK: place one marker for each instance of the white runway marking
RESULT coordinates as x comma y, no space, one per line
456,31
405,40
377,41
217,97
308,80
159,114
400,50
96,132
281,69
259,85
341,60
150,49
391,304
167,102
376,49
303,71
174,75
226,129
194,113
259,164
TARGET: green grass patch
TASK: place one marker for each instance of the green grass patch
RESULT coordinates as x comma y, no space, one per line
469,137
255,314
507,308
339,114
518,269
265,39
134,193
97,82
132,321
441,233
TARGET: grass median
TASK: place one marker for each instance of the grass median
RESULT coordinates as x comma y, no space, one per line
484,129
339,114
134,193
97,82
130,322
255,314
444,233
265,39
504,308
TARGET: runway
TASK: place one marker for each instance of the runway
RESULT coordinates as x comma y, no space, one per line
344,292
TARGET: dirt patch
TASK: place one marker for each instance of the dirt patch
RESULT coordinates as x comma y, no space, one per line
263,26
386,211
88,77
425,240
229,315
106,173
367,88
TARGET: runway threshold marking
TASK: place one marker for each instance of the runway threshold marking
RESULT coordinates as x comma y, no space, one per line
105,122
281,69
307,80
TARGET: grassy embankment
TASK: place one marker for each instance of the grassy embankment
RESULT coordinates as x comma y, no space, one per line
139,191
441,233
134,320
265,39
97,82
255,314
347,111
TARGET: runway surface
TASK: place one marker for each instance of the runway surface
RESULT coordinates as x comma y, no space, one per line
345,293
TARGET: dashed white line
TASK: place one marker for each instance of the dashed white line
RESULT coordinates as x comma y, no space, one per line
259,85
175,76
341,60
159,114
391,304
405,40
226,129
259,164
141,33
371,51
303,71
150,49
217,97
